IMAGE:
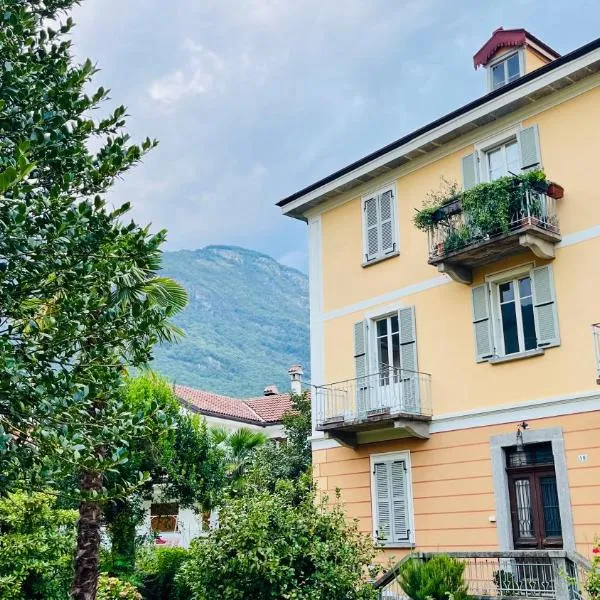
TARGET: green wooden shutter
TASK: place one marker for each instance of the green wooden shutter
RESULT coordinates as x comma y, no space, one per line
386,214
383,502
408,359
361,367
372,228
401,527
544,307
482,324
529,144
469,170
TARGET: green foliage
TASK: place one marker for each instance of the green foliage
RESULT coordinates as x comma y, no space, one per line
111,588
247,314
281,544
433,579
36,547
238,449
488,207
293,457
157,568
592,584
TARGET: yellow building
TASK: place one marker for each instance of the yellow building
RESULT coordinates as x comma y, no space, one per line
455,401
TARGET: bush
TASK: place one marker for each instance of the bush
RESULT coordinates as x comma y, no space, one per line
281,544
37,543
592,585
111,588
157,568
434,579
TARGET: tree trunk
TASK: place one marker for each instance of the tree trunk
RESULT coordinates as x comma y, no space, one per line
85,582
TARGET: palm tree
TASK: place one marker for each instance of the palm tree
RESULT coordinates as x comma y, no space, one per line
238,448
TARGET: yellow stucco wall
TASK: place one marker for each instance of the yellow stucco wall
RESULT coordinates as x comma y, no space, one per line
570,145
452,483
533,60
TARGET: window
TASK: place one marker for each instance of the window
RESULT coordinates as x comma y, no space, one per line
515,313
505,71
163,516
503,160
388,349
392,499
379,225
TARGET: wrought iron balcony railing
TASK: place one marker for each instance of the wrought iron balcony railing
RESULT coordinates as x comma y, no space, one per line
390,393
453,232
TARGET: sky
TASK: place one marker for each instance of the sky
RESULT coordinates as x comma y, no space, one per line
252,100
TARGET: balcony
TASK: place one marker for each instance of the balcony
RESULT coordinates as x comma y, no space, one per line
492,221
390,404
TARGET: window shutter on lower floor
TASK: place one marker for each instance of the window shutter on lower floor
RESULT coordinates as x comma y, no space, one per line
408,358
469,170
544,307
360,349
482,323
529,145
392,519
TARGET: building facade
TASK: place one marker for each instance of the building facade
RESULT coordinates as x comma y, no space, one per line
455,401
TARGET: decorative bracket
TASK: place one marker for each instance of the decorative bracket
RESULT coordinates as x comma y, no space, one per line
417,429
541,248
456,272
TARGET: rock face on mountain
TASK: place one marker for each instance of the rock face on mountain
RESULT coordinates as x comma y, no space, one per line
246,322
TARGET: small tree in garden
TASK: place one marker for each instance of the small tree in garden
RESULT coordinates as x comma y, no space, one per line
36,547
438,578
281,544
80,295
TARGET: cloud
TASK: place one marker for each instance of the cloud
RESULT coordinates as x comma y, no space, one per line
202,73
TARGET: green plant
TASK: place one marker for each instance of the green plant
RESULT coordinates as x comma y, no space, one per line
457,238
435,578
281,544
157,568
36,547
111,588
426,218
592,584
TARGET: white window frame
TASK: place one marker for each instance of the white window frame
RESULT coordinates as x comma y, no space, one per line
372,318
491,143
494,282
395,226
390,457
503,59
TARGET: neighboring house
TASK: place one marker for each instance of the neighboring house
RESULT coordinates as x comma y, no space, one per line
465,414
177,526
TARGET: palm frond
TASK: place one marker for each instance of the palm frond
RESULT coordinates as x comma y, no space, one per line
166,292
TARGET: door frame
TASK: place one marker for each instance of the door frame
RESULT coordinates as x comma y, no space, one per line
498,444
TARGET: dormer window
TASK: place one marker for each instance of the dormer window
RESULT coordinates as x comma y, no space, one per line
505,70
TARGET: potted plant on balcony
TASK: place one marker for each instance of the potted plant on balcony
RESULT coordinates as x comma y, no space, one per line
438,206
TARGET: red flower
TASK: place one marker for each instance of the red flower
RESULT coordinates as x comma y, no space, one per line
596,550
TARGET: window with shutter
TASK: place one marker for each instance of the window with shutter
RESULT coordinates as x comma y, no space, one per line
523,305
392,499
379,225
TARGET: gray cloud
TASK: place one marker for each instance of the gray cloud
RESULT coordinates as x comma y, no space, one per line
253,99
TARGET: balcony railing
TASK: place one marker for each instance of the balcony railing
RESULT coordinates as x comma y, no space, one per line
373,398
527,574
596,335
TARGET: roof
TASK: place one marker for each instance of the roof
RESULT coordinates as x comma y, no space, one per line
260,410
507,38
520,92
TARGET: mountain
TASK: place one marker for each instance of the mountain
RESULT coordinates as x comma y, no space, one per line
246,322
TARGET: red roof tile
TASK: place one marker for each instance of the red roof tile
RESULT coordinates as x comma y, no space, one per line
261,410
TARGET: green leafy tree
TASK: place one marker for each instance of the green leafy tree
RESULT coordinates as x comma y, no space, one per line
80,295
36,547
238,447
281,544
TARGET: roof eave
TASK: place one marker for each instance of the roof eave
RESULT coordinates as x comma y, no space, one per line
562,72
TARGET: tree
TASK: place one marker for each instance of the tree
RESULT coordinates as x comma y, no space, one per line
36,547
80,295
282,544
238,448
291,459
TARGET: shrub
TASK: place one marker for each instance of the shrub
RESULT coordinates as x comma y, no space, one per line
434,579
592,585
37,541
157,569
111,588
280,544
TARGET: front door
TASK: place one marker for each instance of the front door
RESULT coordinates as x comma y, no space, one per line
534,504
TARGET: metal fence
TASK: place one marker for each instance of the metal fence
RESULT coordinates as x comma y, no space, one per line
556,575
535,209
389,392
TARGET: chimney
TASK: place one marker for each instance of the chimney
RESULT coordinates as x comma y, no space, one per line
271,390
295,372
